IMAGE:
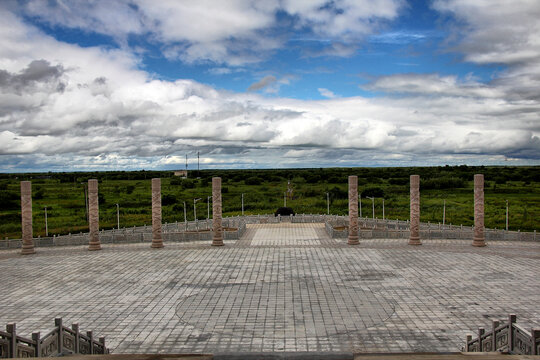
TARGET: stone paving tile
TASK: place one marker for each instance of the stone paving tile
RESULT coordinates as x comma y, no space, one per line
271,292
285,234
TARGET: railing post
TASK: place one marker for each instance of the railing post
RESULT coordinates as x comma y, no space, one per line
469,339
37,346
511,322
75,328
91,337
58,324
535,341
12,330
494,325
481,332
102,341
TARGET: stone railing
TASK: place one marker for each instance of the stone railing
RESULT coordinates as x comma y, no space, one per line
174,232
368,228
505,337
58,342
336,227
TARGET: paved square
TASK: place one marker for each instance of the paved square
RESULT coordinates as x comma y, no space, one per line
282,287
285,234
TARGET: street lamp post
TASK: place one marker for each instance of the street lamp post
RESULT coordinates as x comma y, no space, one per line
284,199
444,212
195,208
118,216
372,198
208,205
185,214
383,208
46,223
327,204
360,205
242,204
506,215
85,201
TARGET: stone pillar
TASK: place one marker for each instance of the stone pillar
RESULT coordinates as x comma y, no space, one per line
157,241
217,227
414,238
479,238
353,210
26,217
93,215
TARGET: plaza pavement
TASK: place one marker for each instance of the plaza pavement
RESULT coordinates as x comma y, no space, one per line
282,287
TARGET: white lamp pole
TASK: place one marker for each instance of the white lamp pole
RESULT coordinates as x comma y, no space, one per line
208,206
360,204
118,216
185,213
242,204
506,215
195,208
444,212
46,223
383,208
284,199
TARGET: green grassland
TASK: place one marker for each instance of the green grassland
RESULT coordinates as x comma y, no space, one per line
64,195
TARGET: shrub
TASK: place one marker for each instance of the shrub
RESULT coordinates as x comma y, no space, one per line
176,180
284,211
373,192
337,193
168,199
254,180
442,183
398,181
39,194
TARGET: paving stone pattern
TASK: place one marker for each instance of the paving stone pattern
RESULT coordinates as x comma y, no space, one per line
282,287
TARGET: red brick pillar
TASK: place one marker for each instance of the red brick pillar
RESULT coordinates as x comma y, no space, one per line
353,210
157,241
414,238
93,215
479,237
26,217
217,228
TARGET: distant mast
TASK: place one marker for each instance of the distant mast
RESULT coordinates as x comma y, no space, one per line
198,168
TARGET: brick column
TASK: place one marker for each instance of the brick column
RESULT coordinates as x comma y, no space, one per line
157,241
26,218
479,238
217,228
414,238
353,210
93,215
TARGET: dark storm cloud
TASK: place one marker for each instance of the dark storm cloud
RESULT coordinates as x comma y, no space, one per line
38,71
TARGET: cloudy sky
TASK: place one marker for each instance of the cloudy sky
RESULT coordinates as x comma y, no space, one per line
138,84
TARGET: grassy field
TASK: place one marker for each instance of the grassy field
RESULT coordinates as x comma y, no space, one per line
64,195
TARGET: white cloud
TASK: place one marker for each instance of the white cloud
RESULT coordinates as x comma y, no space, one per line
109,114
235,32
326,93
433,84
497,31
